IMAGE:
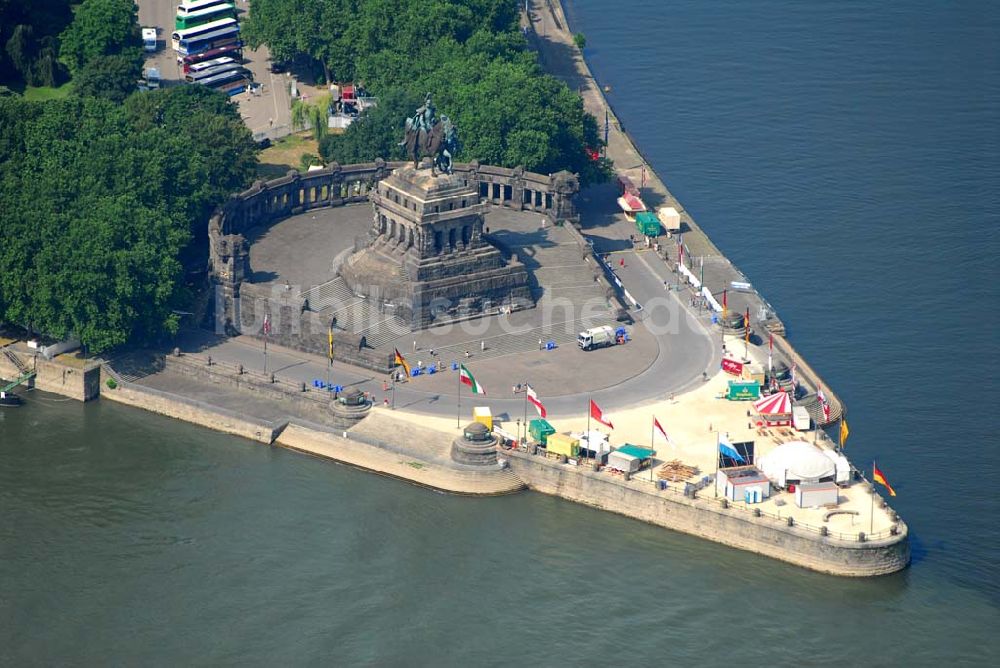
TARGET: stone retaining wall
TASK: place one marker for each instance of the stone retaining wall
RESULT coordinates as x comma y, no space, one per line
82,384
195,412
706,518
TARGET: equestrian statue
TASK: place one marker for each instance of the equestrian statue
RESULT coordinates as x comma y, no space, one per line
430,136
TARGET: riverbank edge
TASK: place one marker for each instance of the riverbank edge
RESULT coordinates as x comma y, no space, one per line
704,518
319,441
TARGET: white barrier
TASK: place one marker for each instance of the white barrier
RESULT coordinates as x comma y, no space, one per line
690,276
707,294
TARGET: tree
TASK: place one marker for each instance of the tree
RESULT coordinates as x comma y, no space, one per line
111,77
469,53
101,213
374,134
28,33
99,28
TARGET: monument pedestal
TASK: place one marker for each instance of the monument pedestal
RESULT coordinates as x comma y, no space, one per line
427,255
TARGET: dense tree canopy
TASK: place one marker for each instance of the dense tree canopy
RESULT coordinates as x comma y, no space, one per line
99,28
100,200
111,77
468,53
29,50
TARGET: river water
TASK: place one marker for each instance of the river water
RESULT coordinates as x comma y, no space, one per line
844,155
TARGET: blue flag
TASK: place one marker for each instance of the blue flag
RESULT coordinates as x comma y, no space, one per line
729,451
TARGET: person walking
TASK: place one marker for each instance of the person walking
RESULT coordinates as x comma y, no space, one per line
482,346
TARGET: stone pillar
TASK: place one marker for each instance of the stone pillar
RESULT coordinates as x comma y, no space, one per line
517,189
564,187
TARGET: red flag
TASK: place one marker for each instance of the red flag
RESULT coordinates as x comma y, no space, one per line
534,401
267,324
724,300
770,342
595,412
659,428
746,323
826,412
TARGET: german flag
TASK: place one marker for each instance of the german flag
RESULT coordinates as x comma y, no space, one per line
879,477
399,360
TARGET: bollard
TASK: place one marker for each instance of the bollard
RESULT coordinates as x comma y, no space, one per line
790,521
861,536
823,531
177,352
894,529
756,512
272,377
628,476
239,369
209,360
724,503
563,459
596,465
303,387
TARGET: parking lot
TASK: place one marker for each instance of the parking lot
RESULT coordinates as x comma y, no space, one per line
266,111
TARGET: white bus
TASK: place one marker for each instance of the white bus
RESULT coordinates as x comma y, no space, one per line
190,6
191,34
207,64
214,12
209,72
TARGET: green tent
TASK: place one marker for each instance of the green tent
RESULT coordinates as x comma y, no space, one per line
636,451
540,429
648,224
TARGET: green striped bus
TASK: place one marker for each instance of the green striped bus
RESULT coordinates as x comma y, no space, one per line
192,14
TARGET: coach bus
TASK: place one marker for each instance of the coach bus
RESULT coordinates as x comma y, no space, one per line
232,51
230,83
195,76
181,38
211,12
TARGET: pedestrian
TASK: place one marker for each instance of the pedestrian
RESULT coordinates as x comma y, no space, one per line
385,401
270,122
621,263
385,386
432,352
467,354
414,346
539,344
482,346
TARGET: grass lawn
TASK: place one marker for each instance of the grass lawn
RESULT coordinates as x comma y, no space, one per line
42,93
285,154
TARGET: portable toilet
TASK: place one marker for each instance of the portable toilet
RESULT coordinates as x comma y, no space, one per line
540,430
483,416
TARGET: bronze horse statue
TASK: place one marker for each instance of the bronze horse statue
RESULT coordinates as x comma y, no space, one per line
421,143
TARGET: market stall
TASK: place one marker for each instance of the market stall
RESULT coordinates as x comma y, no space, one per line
774,410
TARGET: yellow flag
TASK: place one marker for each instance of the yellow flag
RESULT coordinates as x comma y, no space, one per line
329,338
844,432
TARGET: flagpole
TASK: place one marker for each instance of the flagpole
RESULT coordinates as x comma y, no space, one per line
265,353
458,413
394,388
590,403
525,412
652,435
715,481
871,523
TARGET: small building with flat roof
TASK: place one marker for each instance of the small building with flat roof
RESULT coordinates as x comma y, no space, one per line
743,483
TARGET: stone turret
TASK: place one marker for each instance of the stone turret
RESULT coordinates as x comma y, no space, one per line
477,446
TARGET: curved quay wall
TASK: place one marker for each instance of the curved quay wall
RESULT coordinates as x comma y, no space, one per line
239,304
706,518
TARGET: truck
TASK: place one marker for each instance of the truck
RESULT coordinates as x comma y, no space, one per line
596,337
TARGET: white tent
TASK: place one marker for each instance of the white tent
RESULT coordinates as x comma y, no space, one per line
796,460
595,441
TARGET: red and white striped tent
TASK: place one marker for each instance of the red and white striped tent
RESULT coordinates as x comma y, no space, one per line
631,204
774,410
